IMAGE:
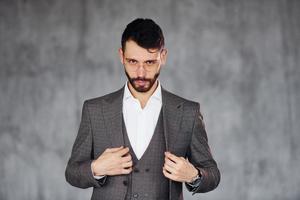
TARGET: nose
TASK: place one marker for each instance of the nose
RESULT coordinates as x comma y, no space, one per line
141,70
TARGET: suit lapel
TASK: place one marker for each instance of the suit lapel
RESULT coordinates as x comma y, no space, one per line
172,114
112,112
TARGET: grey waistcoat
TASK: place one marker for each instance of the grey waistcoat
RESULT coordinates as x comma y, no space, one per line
147,180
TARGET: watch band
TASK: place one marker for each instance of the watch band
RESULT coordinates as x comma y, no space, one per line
199,175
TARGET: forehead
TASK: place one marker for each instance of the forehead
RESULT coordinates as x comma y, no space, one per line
133,50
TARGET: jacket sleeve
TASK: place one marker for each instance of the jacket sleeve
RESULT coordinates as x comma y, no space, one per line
200,156
78,171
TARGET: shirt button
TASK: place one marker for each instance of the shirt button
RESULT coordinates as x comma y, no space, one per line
135,195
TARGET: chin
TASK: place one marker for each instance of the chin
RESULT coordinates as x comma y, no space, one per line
142,89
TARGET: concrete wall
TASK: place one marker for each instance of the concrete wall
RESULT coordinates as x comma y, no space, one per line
239,58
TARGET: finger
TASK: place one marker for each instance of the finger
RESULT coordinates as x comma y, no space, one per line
171,170
165,170
182,158
170,176
126,171
126,158
123,151
112,150
127,164
172,157
170,163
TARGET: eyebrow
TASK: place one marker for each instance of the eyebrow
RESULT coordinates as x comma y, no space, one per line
151,60
130,59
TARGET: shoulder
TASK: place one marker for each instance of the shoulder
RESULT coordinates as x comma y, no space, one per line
190,109
105,98
171,97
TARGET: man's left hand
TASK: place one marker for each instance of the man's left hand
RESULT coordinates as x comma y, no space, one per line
178,168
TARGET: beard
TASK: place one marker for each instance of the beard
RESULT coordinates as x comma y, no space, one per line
141,84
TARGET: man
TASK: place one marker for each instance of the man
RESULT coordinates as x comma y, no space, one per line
142,142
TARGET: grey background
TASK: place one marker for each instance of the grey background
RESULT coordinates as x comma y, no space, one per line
239,58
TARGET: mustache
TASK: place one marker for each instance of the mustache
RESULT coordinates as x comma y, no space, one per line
141,79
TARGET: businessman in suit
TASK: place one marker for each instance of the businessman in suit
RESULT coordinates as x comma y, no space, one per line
142,142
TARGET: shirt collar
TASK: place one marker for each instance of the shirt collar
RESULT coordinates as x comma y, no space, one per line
156,94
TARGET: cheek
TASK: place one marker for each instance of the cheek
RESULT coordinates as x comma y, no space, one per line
151,74
128,70
131,73
158,69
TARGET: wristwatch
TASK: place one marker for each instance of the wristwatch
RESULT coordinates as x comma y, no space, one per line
196,178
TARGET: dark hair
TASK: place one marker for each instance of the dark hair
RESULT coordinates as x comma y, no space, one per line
145,32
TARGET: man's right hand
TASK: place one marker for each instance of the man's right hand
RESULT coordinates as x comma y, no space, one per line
113,161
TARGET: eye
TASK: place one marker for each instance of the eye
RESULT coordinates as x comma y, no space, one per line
150,62
132,62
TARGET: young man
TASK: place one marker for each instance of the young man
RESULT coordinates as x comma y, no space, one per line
142,142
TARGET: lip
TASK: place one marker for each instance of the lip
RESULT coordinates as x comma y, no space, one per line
139,82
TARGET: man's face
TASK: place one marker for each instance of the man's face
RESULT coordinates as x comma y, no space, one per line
142,66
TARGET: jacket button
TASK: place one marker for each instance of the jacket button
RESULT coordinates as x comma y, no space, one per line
135,195
136,170
125,183
147,170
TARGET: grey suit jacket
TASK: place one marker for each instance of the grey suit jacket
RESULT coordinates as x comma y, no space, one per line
101,128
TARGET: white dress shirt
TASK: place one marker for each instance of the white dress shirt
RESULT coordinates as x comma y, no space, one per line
141,122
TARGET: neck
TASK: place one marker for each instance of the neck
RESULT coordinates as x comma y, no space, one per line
143,97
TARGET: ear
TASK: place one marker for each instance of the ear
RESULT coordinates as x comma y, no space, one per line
164,53
121,55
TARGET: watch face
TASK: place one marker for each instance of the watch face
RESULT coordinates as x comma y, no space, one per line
196,182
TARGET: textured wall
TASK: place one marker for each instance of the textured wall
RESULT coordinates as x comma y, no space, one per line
239,58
